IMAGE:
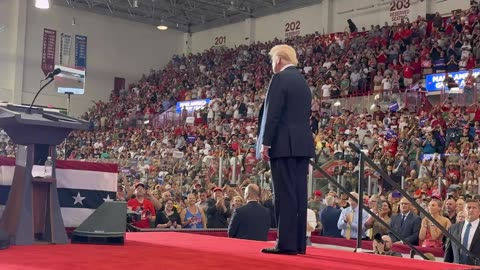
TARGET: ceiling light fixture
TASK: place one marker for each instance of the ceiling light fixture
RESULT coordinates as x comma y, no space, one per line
162,26
42,4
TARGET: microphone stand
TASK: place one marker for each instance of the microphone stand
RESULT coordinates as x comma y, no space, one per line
29,110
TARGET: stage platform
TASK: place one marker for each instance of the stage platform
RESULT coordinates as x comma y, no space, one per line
170,250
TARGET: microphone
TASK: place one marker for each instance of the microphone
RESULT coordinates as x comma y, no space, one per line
52,74
49,76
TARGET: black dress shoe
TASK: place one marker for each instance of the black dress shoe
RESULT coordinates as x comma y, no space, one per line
275,250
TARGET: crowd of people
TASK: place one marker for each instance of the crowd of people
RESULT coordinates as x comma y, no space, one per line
195,174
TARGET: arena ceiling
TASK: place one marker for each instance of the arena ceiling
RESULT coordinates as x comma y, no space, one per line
186,15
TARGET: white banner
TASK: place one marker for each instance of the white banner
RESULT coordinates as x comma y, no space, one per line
399,9
65,49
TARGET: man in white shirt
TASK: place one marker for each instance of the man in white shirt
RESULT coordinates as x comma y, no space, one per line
467,232
311,224
348,221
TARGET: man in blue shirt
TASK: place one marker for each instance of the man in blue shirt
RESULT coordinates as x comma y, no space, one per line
348,221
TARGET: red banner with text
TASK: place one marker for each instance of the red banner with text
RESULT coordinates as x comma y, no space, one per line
48,52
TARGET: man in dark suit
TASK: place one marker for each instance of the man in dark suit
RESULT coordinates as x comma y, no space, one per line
329,218
468,233
406,223
285,138
251,221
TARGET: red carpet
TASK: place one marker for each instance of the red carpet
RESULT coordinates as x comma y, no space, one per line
191,251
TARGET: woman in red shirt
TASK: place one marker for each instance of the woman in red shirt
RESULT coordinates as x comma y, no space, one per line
423,191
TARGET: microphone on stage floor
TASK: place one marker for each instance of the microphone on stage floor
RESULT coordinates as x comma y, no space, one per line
49,76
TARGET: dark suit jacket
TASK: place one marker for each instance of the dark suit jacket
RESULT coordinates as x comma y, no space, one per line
288,105
329,219
251,221
410,229
452,251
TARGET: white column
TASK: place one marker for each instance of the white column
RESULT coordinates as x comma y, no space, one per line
187,43
13,21
421,8
326,17
249,31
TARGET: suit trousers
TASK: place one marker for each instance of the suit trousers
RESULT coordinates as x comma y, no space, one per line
289,177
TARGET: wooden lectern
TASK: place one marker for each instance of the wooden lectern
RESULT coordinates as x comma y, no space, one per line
32,210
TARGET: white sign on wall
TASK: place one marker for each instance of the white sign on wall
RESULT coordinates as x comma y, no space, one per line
292,29
399,9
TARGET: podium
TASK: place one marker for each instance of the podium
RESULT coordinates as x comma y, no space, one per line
32,211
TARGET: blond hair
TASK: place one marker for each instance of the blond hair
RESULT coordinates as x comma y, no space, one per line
285,52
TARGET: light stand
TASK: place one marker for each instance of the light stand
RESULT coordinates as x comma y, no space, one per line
69,94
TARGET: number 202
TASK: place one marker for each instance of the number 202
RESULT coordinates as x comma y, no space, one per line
292,26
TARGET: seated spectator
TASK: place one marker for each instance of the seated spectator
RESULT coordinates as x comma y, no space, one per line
169,217
406,223
143,206
384,247
329,218
430,235
348,220
192,216
251,221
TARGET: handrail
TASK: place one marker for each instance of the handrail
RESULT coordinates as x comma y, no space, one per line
413,202
344,190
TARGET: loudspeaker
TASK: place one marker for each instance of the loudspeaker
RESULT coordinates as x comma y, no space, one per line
4,240
106,226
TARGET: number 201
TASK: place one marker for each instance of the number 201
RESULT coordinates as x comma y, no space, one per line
399,5
220,40
292,26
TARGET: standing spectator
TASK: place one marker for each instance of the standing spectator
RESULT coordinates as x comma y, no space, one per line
218,210
406,223
251,221
143,206
329,219
430,235
465,232
348,220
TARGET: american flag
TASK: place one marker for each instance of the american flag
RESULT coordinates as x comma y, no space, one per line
82,187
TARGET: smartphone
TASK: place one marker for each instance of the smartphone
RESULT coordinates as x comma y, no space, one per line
378,238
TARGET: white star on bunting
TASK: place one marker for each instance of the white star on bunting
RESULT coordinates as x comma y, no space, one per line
108,199
78,199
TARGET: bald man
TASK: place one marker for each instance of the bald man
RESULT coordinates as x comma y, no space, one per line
251,221
285,139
